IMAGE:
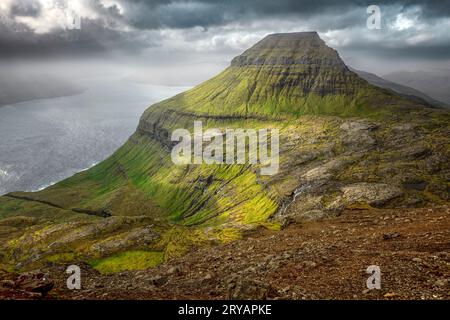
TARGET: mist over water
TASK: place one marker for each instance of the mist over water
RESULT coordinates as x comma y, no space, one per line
45,141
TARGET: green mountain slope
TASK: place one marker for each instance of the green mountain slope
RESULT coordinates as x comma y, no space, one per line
290,74
344,144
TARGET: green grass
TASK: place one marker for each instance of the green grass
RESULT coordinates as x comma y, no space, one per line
258,92
61,257
128,260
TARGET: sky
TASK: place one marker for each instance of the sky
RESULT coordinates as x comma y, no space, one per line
186,41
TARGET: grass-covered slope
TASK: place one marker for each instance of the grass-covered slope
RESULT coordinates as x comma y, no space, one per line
344,143
285,75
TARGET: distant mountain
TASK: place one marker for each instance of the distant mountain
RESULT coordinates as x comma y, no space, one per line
398,88
15,87
435,83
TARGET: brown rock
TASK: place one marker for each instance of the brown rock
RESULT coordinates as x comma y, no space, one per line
34,281
247,289
158,281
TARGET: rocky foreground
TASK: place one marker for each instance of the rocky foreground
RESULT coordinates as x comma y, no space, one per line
311,260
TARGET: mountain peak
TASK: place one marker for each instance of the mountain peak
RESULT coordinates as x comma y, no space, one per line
284,49
293,39
284,73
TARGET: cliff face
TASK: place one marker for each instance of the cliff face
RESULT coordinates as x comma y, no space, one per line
344,144
298,64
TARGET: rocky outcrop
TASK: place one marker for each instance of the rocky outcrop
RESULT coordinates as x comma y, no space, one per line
136,238
375,194
29,285
358,133
239,288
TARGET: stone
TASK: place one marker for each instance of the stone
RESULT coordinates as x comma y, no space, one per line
309,264
441,283
175,270
389,236
357,134
207,277
415,152
390,295
157,281
34,281
310,215
239,288
371,193
9,284
327,169
131,239
357,126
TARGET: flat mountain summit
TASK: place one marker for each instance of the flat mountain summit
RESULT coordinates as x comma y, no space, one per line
298,64
302,50
344,145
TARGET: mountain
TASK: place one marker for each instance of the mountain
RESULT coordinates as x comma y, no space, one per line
435,83
290,74
344,144
18,88
406,91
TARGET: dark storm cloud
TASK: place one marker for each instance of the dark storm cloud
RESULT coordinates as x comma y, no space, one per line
91,39
431,8
131,25
28,8
96,36
207,13
438,51
204,13
318,15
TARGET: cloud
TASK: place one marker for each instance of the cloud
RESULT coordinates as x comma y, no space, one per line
42,28
411,29
155,14
26,8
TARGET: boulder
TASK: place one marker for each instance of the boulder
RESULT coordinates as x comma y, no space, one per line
135,238
34,281
357,133
239,288
375,194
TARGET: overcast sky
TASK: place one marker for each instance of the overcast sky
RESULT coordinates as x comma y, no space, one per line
202,36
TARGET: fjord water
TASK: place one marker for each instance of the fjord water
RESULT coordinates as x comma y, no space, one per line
45,141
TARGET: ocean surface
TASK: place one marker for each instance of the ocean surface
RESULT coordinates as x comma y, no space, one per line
45,141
